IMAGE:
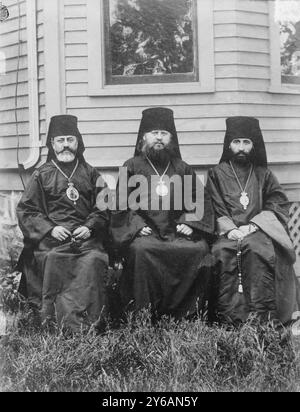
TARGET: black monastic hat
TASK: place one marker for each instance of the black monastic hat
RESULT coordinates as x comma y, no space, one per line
157,118
245,127
64,125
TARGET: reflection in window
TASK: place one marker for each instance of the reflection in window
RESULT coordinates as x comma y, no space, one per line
288,16
150,41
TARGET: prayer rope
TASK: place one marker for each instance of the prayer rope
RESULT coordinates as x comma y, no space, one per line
239,264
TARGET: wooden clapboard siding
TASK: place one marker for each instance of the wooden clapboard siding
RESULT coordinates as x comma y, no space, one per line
77,100
101,118
278,114
9,36
242,63
7,158
187,124
41,66
109,123
242,52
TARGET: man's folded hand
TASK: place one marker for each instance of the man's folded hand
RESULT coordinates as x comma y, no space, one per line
235,234
60,233
146,231
82,233
248,229
184,230
245,230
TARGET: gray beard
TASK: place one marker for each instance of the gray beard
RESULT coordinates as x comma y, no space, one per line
65,157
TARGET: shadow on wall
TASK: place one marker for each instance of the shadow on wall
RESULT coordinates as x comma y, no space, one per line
11,239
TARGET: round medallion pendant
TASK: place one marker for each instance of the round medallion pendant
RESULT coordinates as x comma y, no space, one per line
72,193
162,189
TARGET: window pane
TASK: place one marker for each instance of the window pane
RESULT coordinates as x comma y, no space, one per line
150,40
288,16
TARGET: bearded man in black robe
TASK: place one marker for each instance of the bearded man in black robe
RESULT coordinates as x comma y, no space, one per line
64,262
254,254
166,253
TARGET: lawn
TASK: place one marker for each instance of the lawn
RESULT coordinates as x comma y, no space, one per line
168,357
189,356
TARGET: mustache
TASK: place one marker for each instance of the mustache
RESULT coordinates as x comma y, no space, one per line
67,150
146,147
242,157
158,142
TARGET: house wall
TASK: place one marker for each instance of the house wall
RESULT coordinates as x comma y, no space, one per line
243,72
15,127
41,68
9,39
109,124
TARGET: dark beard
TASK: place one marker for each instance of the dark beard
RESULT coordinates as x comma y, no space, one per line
243,158
159,157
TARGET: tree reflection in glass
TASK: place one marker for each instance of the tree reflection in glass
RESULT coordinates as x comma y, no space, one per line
151,37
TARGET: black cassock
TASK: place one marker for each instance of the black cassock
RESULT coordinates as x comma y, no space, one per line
268,277
64,279
164,271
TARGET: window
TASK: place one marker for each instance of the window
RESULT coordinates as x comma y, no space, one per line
288,16
150,41
150,46
285,50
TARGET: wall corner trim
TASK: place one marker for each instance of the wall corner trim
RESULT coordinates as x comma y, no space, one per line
34,140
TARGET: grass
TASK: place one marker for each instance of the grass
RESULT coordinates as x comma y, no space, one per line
169,357
189,356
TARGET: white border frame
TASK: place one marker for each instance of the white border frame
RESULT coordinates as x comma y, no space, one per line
276,84
96,58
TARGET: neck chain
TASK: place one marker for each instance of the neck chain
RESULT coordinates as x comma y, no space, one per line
72,192
244,199
161,189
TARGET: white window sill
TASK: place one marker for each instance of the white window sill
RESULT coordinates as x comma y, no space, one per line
150,89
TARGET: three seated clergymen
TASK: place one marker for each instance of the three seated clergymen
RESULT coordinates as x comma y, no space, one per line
64,262
166,264
162,227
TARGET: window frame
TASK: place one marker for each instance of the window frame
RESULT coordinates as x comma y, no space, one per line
277,86
96,58
143,79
